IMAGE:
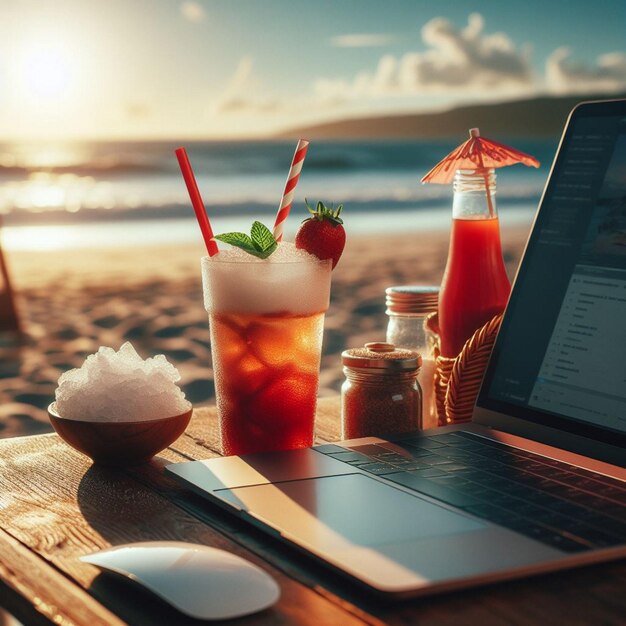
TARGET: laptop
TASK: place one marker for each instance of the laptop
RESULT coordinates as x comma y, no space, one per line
536,481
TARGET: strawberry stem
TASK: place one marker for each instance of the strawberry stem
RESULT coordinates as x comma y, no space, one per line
322,212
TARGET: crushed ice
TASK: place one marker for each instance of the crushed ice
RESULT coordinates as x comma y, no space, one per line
286,252
121,386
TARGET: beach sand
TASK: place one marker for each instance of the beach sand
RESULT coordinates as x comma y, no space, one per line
72,302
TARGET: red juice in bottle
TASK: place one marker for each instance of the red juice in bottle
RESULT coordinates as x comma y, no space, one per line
475,285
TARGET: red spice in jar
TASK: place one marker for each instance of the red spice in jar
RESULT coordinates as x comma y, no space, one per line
381,394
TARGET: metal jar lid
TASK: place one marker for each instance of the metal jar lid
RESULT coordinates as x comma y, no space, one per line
411,299
382,356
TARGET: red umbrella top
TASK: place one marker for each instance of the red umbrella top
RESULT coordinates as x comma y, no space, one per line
477,153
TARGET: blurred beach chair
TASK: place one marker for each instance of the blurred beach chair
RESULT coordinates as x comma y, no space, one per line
9,318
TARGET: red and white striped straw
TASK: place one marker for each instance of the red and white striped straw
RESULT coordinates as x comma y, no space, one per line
290,186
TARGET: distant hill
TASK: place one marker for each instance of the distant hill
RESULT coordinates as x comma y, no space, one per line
534,117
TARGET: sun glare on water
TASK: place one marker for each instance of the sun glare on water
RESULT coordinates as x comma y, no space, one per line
39,238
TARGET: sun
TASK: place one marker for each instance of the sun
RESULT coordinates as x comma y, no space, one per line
46,84
47,71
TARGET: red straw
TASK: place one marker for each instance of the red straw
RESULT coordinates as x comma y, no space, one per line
292,181
196,201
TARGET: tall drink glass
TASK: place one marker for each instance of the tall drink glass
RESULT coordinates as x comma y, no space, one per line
266,320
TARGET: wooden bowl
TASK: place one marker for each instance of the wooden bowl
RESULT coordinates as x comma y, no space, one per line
119,443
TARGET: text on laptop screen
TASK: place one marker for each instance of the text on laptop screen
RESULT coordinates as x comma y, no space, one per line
561,349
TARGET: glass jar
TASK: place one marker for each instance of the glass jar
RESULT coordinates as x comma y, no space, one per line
381,394
408,306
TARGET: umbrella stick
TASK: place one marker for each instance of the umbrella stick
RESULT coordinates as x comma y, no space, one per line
488,192
485,174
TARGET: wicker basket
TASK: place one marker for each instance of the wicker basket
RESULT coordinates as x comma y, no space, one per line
457,380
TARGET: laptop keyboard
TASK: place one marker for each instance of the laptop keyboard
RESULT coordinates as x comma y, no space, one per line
558,504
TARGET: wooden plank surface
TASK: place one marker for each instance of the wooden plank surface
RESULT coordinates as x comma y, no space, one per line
23,574
59,506
56,506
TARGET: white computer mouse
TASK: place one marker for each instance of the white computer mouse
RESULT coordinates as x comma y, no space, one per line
202,582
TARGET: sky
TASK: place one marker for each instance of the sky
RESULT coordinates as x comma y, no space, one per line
237,68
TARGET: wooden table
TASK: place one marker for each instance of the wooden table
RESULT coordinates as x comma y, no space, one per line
56,506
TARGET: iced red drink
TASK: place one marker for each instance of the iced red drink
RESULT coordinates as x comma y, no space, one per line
266,319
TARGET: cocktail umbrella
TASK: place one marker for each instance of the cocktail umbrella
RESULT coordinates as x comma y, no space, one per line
480,154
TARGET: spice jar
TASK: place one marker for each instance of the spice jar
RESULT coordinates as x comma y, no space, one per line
408,306
381,394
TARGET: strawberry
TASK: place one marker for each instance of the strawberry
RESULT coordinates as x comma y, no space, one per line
322,234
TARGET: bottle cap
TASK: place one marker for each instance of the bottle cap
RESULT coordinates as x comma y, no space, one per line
411,300
382,356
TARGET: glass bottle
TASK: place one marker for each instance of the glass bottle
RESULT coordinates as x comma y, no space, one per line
475,285
381,394
407,308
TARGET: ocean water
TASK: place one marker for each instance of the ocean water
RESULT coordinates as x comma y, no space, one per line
75,195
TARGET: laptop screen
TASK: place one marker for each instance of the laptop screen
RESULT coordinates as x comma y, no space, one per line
560,357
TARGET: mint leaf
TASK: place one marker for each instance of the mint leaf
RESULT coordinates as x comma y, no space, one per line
261,244
240,240
263,239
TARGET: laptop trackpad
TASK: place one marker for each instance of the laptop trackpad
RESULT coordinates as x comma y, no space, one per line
344,511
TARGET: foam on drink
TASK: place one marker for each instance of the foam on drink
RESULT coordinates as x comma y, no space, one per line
121,386
289,280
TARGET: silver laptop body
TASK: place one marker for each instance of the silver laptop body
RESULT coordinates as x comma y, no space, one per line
537,481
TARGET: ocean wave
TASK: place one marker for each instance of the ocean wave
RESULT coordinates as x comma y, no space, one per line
237,208
93,168
229,159
126,180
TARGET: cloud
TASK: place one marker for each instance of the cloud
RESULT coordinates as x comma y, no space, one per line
362,40
138,110
454,59
193,11
456,62
245,96
243,104
566,76
241,77
235,98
